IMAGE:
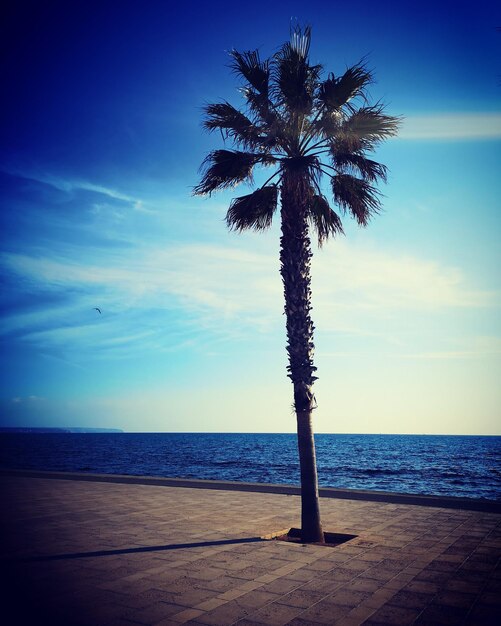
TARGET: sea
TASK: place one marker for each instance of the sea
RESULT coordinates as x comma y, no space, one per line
467,466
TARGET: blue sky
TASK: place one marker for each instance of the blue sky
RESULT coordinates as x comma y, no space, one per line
101,141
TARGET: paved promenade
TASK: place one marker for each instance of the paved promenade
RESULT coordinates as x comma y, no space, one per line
108,553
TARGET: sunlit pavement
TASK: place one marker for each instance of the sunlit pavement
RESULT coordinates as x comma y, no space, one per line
102,553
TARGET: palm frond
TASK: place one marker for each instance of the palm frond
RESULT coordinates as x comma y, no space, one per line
325,221
328,125
294,78
356,196
369,170
263,114
229,120
254,211
346,143
336,92
227,168
300,40
371,125
252,69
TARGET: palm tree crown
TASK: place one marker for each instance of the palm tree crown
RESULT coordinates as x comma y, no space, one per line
300,123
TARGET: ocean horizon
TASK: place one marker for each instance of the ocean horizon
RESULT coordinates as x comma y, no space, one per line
443,465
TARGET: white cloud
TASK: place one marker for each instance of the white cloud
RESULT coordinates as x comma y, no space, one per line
452,126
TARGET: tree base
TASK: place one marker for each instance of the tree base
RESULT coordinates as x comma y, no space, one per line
331,540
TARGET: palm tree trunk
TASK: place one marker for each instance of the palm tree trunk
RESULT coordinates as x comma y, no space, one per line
295,260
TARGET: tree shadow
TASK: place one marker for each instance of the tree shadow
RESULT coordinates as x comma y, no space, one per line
171,546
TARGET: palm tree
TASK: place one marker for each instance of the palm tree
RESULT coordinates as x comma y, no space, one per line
305,128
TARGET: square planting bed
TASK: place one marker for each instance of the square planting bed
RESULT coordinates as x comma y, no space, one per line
293,535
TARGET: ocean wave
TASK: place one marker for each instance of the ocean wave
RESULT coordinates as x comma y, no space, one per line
467,466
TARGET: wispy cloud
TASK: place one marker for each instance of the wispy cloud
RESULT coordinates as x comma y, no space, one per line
69,184
374,279
471,348
226,291
108,197
452,126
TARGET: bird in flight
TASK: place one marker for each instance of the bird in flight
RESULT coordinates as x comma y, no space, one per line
97,309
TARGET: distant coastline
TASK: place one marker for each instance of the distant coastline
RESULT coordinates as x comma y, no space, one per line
34,430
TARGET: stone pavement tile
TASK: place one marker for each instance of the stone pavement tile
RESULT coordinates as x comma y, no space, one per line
440,565
282,585
274,563
370,555
178,585
209,605
393,565
413,570
422,586
393,615
301,574
411,599
101,613
339,574
397,583
193,597
321,585
322,565
286,554
464,586
357,616
205,573
141,600
400,580
186,615
249,585
477,565
470,577
365,584
251,573
454,598
379,597
357,565
256,599
453,558
224,615
234,564
175,581
153,613
267,578
299,621
324,612
432,576
275,614
231,594
349,597
443,615
381,574
220,584
300,597
338,557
